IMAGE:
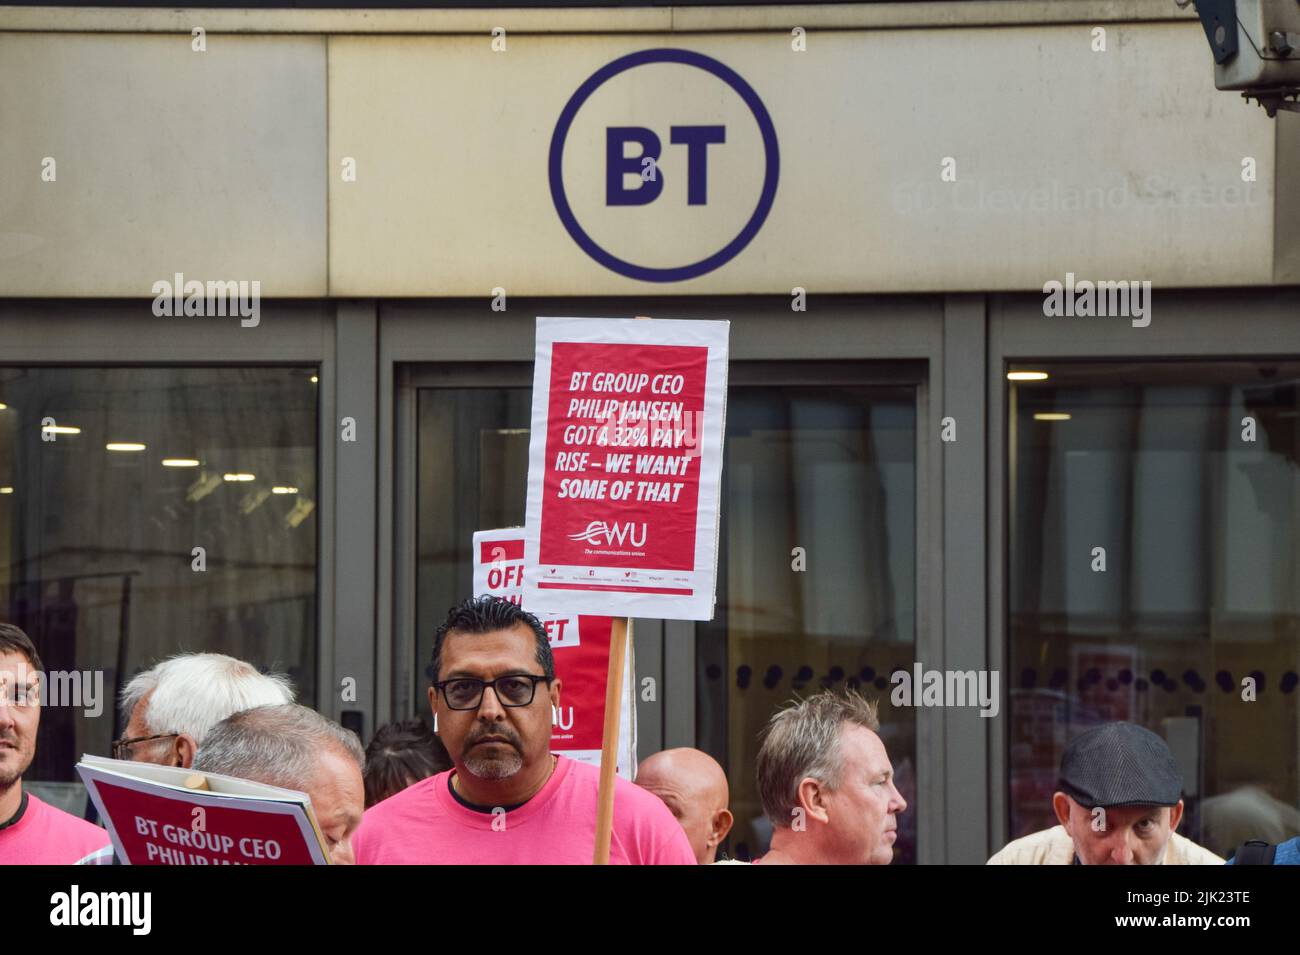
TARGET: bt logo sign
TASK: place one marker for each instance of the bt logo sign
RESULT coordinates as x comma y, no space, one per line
617,163
645,191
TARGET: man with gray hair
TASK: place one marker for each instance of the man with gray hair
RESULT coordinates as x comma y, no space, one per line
827,785
171,706
294,747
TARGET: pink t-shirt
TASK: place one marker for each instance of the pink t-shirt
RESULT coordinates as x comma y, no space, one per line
425,824
48,836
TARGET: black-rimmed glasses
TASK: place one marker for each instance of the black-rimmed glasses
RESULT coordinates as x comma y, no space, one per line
466,693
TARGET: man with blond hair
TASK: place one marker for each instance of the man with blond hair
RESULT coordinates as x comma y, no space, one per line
827,785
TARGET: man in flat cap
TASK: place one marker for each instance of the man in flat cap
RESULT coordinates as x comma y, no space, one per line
1119,800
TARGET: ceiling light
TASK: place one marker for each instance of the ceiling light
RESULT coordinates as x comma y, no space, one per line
124,446
284,490
1051,416
180,462
60,429
1026,376
239,476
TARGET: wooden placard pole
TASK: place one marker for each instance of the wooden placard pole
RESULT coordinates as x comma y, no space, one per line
619,634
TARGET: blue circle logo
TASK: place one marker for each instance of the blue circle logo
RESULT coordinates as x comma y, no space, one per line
765,199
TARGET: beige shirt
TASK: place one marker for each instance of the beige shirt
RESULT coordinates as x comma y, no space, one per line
1055,847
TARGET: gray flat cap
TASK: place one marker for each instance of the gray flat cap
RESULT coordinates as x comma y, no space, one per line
1120,764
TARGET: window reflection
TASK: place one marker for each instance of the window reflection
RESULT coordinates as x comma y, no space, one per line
1182,477
832,470
472,475
98,529
804,464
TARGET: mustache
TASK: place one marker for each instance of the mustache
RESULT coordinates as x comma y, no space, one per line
509,735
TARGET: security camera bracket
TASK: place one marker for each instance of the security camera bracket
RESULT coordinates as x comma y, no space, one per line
1273,100
1219,20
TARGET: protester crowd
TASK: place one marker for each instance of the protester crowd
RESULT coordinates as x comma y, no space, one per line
487,788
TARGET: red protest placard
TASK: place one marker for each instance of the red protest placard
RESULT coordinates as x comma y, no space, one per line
620,477
580,646
153,819
624,467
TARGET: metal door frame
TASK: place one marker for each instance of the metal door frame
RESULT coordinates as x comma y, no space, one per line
1192,325
946,332
108,333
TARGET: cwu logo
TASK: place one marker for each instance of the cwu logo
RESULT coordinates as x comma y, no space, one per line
694,151
598,533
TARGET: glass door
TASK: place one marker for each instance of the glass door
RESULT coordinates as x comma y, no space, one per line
817,581
471,464
1154,568
114,481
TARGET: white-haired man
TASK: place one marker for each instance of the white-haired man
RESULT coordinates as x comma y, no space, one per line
171,706
827,785
295,748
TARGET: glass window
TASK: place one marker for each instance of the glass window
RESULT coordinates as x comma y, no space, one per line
109,478
1154,566
803,464
472,475
830,469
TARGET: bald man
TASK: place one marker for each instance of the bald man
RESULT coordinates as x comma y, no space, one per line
694,788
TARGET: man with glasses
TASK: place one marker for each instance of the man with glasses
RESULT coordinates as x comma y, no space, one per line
507,798
171,707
